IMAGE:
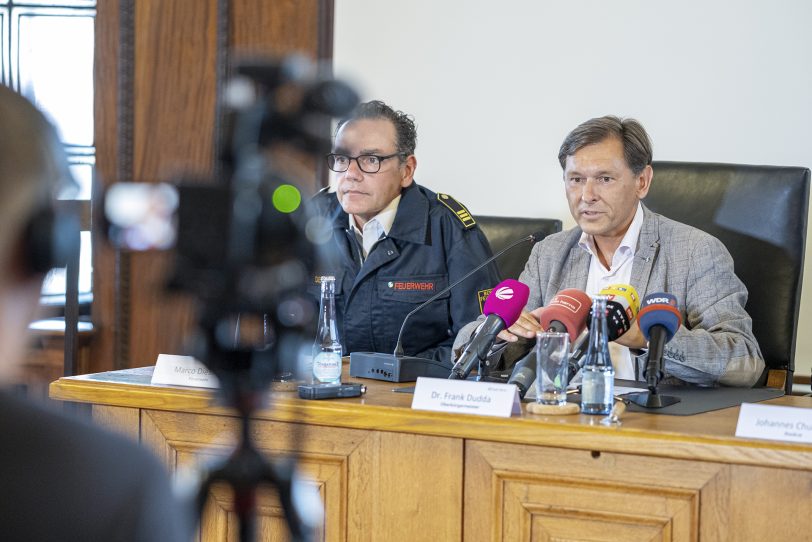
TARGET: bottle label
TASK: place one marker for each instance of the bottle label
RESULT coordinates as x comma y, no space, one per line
597,389
327,366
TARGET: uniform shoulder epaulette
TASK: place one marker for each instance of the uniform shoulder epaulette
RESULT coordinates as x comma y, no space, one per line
458,209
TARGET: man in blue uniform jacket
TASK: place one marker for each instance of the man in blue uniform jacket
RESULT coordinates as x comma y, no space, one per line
395,244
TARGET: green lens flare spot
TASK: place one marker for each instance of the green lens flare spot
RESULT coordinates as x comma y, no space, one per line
286,198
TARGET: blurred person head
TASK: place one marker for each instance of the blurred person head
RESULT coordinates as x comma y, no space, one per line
33,168
373,156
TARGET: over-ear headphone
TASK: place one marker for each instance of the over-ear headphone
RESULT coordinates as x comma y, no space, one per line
33,167
51,236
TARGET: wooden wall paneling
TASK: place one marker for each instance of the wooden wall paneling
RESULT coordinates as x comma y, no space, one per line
277,28
282,27
106,122
159,68
175,48
175,95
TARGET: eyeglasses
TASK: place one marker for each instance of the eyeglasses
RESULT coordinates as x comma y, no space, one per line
368,163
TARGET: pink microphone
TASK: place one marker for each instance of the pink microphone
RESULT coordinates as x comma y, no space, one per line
502,309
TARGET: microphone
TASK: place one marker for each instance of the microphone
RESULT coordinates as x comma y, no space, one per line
659,320
502,308
397,367
622,305
566,313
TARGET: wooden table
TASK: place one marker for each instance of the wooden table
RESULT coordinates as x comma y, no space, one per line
386,472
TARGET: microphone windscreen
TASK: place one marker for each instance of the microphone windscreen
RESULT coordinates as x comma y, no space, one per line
626,296
659,309
622,306
570,307
506,300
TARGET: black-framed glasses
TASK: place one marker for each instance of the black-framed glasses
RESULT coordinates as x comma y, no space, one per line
368,163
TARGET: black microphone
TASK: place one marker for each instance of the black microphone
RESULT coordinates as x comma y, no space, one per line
502,308
622,305
577,353
566,313
396,367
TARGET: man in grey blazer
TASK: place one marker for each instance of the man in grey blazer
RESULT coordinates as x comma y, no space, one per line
607,171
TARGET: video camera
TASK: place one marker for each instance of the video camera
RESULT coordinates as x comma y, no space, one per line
245,244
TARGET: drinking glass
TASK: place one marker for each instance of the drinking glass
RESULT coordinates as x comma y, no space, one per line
552,355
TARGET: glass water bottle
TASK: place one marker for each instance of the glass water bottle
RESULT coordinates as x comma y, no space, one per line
327,346
597,386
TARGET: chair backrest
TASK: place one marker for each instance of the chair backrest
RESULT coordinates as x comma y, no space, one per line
760,214
504,230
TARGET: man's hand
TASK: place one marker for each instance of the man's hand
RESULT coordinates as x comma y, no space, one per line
526,327
633,338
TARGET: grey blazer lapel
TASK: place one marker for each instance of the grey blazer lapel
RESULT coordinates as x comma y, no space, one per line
576,270
648,248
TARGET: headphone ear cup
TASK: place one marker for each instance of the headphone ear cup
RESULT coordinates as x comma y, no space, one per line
51,238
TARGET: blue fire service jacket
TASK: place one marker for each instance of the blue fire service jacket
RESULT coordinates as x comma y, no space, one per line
433,242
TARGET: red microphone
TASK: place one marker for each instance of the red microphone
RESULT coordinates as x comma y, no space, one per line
566,313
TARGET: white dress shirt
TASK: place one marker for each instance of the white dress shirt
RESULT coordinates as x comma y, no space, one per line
620,272
375,228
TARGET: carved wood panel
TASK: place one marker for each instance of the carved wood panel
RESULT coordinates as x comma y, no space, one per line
530,493
381,485
374,485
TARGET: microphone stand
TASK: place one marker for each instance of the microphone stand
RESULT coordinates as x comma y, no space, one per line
532,238
374,364
652,399
465,364
653,373
483,373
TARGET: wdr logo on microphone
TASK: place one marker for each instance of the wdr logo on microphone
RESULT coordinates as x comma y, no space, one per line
504,293
661,301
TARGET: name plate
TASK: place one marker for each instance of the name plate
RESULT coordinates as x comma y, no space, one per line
775,423
466,396
182,371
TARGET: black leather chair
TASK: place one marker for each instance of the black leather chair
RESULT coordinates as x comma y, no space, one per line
760,214
501,231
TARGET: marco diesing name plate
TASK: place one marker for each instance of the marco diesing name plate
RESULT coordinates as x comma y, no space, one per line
182,371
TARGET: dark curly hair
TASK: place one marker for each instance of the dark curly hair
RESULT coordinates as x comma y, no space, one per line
636,143
405,129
